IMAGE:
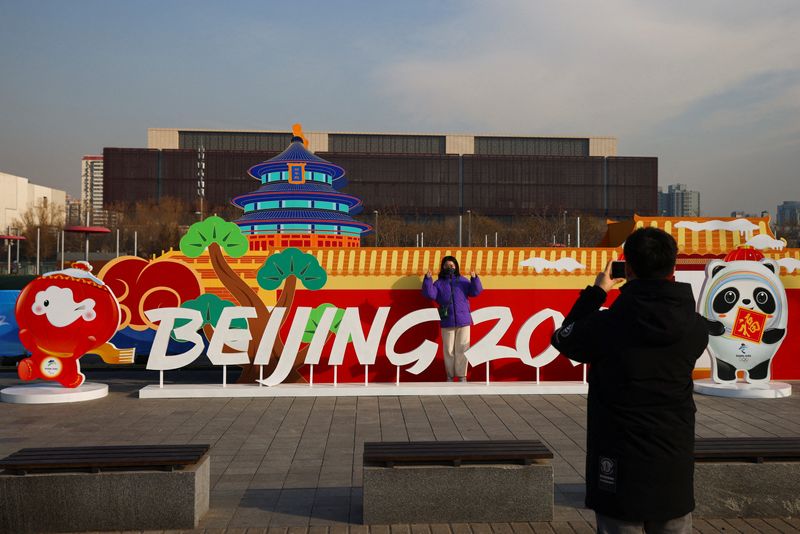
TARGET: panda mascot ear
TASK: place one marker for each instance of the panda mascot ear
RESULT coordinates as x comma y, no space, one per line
772,265
714,266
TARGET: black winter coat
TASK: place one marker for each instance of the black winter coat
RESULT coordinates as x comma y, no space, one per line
640,429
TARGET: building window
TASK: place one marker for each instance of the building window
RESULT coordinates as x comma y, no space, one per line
387,143
303,227
325,229
350,230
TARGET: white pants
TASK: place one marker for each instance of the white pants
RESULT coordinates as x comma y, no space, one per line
455,342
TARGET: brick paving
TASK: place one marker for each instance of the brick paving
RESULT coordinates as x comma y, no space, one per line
293,465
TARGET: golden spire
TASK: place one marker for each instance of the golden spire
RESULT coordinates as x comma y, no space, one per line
297,131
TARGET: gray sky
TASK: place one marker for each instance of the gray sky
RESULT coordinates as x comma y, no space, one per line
712,88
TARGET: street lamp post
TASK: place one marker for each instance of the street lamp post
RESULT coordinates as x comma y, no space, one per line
469,228
376,226
17,232
10,240
201,177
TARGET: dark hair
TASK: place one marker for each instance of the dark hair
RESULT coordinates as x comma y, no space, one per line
445,260
651,253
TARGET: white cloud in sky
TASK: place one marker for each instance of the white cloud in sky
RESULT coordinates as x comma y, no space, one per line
711,88
587,67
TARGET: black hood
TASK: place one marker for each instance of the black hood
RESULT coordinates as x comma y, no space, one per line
665,310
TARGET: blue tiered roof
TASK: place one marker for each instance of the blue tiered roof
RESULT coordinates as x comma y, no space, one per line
311,205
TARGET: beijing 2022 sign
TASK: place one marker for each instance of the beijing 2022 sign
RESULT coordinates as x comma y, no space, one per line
184,324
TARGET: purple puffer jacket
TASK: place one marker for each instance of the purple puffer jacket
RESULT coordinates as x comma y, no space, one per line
459,288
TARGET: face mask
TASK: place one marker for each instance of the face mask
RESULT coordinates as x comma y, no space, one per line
449,271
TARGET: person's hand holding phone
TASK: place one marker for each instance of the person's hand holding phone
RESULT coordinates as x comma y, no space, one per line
618,269
606,280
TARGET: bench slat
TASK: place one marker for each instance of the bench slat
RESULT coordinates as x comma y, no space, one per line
442,445
98,448
105,456
451,450
454,451
154,452
747,448
99,458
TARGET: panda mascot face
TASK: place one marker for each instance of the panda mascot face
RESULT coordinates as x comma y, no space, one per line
745,304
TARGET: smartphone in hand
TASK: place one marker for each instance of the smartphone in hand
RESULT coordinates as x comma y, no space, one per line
617,269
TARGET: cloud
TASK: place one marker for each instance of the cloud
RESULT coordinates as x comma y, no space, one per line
561,264
790,264
763,242
738,225
609,67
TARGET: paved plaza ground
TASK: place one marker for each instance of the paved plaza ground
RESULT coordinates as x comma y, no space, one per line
291,465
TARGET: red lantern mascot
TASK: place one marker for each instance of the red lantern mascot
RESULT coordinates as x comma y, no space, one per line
62,316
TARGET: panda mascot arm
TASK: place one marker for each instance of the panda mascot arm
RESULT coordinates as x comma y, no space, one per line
773,335
715,328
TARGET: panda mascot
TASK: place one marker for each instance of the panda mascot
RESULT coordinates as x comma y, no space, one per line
744,303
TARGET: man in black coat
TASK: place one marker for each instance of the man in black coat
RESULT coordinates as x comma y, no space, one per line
641,351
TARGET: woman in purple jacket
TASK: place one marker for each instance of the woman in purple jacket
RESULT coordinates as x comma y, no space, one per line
451,292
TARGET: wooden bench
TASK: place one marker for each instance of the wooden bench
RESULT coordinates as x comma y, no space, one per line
129,487
457,481
747,477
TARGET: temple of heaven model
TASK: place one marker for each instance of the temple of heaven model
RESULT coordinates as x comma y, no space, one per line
298,203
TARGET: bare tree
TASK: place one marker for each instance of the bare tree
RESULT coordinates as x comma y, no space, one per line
541,228
158,225
49,219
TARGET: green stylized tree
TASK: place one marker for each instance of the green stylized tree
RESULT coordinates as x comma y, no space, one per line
287,268
216,235
316,316
210,307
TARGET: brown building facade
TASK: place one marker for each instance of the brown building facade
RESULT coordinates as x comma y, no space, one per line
407,174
